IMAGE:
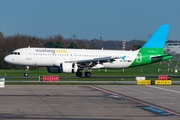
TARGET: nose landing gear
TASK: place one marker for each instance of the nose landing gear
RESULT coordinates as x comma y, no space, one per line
26,71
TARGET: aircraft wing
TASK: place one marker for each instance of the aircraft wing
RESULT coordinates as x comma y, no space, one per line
92,62
99,60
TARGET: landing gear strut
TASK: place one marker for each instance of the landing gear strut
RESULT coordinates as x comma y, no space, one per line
26,71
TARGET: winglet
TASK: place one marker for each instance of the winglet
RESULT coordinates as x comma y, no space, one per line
158,39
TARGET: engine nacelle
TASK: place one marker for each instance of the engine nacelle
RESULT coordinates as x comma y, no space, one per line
68,67
64,67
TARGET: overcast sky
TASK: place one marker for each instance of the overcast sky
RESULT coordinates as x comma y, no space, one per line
89,19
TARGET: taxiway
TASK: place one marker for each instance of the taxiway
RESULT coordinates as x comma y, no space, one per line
83,102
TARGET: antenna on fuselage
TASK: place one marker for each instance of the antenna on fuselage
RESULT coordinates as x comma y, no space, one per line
29,46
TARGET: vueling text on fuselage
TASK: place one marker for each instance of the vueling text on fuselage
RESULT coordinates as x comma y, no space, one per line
58,51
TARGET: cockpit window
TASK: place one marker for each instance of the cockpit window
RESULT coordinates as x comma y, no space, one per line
15,53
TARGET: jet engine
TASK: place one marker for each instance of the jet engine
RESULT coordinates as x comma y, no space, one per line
64,67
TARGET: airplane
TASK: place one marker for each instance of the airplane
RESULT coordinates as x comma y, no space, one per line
63,60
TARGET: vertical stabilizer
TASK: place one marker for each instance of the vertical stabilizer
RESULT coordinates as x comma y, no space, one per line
158,39
153,50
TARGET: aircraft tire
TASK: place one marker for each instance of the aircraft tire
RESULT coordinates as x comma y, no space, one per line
79,74
87,74
25,74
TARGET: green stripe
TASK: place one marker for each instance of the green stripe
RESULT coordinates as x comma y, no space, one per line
144,56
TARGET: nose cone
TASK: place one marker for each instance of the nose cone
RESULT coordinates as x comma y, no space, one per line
7,59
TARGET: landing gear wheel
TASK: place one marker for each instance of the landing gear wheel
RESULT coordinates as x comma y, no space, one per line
79,74
25,74
87,74
26,71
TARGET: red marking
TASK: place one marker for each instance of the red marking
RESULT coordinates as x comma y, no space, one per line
167,103
50,78
162,77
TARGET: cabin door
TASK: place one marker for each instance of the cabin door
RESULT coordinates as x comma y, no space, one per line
28,54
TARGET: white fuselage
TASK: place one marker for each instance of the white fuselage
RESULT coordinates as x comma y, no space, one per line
47,57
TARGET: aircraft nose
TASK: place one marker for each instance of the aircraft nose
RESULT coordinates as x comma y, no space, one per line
7,59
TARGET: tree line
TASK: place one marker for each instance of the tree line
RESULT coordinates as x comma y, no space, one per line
10,43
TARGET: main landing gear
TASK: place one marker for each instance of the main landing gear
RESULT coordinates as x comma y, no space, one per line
79,74
87,74
26,71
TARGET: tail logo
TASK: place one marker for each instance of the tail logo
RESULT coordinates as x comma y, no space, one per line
139,58
123,57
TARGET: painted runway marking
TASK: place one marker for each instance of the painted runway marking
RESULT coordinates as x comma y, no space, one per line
165,89
134,100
